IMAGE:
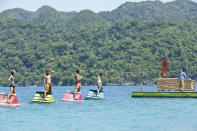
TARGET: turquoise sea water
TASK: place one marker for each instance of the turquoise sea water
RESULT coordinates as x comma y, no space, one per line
117,112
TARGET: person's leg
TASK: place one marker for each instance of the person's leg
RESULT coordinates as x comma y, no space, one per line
183,84
76,86
46,90
98,91
50,88
99,88
180,85
75,93
10,93
14,90
77,89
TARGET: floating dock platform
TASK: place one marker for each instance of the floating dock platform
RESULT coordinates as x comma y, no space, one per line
165,94
169,87
69,96
13,101
39,98
92,95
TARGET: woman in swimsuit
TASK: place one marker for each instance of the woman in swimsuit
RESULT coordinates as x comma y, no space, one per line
12,85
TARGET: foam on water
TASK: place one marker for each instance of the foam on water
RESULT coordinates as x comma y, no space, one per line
117,112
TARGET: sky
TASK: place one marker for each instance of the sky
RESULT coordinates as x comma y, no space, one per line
67,5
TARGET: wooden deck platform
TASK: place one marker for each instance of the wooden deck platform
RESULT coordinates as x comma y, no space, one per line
165,94
172,84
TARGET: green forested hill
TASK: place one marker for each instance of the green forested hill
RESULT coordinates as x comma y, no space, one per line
19,14
65,42
86,19
50,17
147,10
153,10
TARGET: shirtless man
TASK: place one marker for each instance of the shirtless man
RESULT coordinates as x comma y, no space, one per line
78,83
47,82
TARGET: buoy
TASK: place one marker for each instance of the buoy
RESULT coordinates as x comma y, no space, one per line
93,95
69,96
13,101
164,67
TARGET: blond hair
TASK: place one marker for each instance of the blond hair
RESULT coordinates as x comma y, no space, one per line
13,72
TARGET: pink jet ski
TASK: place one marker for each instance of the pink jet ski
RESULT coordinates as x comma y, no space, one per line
13,101
69,97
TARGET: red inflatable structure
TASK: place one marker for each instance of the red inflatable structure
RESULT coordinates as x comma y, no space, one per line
164,67
13,101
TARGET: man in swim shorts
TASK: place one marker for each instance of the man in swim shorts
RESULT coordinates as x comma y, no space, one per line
181,76
78,83
47,82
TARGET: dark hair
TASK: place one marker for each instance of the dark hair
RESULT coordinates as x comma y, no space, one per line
77,71
101,73
47,72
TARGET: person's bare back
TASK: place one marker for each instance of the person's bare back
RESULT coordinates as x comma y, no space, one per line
78,77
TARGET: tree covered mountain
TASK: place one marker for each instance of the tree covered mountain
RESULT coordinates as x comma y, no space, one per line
86,19
122,48
18,13
147,10
153,10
